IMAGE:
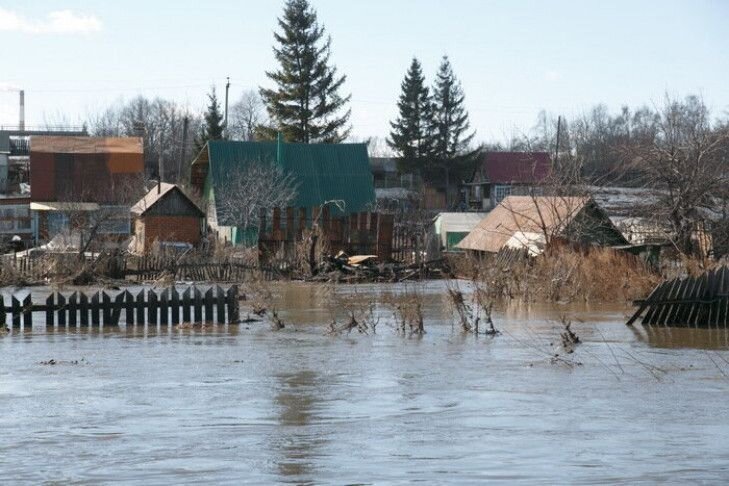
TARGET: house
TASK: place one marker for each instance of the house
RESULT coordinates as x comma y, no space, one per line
15,216
500,174
532,222
451,228
166,216
334,175
84,185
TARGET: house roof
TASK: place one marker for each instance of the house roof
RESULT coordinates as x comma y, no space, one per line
523,214
155,195
86,145
324,172
515,167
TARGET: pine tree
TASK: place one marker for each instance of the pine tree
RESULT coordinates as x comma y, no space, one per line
306,105
411,134
212,129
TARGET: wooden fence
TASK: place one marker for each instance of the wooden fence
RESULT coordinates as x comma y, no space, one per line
195,269
363,233
689,302
165,307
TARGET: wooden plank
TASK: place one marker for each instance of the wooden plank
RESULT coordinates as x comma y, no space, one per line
15,309
105,309
152,307
198,305
186,303
50,311
61,303
164,308
209,300
128,308
175,303
232,302
72,310
220,304
27,313
661,313
140,306
84,309
659,293
117,309
95,309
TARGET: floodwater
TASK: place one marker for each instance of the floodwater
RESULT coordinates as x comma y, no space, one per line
243,404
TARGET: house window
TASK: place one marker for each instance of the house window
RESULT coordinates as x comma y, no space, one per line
500,192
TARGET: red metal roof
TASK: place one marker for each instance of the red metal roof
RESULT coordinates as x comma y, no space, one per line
515,167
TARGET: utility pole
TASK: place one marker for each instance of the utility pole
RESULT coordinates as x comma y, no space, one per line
183,158
556,148
225,123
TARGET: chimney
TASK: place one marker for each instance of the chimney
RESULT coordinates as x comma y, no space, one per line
21,123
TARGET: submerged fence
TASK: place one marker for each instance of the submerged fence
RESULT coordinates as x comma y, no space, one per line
166,307
689,302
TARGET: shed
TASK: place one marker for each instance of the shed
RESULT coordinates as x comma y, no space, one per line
168,216
451,228
530,222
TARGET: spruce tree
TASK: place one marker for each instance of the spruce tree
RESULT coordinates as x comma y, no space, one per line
213,127
450,118
452,137
411,133
305,106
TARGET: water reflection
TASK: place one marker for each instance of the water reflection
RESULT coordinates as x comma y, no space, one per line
682,337
298,400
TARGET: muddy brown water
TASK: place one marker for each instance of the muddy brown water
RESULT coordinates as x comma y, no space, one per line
242,404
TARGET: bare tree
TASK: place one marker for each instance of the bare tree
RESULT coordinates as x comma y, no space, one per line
246,115
686,162
256,187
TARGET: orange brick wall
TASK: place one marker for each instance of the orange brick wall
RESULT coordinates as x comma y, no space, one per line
185,229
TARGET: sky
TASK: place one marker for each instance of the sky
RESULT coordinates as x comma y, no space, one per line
514,58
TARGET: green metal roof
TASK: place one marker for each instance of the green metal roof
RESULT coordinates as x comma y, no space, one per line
324,172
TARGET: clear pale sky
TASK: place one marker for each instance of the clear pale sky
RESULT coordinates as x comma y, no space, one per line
75,57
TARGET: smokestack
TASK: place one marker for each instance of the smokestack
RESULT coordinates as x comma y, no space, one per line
21,123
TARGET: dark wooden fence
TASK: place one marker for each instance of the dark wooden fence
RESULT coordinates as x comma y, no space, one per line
165,307
195,269
689,302
363,233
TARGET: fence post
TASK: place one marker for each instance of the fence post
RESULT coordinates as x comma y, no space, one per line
175,303
16,312
117,309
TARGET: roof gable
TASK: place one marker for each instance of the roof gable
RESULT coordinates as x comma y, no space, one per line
157,196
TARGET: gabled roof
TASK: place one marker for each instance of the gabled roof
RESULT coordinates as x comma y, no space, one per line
525,214
515,167
86,145
156,194
324,172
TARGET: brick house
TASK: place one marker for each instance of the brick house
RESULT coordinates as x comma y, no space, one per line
166,216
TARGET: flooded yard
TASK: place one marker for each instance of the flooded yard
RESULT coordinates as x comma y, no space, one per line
243,404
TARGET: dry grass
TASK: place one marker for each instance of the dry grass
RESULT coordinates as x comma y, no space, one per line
407,310
564,274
